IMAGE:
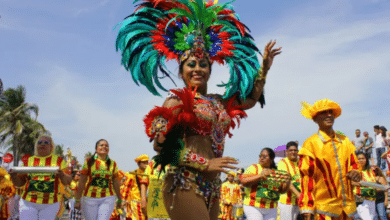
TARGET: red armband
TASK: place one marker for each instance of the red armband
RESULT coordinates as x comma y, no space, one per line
191,159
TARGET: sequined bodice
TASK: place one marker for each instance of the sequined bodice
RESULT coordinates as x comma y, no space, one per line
211,119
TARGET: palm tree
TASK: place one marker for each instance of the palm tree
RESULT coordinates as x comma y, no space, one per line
16,122
30,134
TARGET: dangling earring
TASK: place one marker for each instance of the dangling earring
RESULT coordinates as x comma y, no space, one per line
95,157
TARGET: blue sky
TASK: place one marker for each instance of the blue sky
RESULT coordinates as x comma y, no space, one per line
63,52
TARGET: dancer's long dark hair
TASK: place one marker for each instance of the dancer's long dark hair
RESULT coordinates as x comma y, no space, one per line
91,160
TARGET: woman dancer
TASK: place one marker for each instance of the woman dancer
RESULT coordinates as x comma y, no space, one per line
190,129
365,210
41,196
98,184
256,180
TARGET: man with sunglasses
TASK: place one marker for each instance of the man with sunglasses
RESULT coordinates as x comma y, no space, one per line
328,165
288,202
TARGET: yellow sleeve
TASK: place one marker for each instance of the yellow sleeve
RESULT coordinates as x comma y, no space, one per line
353,161
249,170
143,180
306,200
84,169
282,165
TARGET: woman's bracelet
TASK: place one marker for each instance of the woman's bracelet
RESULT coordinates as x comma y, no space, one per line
260,75
78,200
119,201
191,159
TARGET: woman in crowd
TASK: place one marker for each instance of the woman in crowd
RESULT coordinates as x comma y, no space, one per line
190,128
41,196
381,200
385,136
261,193
98,184
365,210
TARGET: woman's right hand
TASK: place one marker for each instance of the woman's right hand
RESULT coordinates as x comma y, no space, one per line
77,205
265,173
219,164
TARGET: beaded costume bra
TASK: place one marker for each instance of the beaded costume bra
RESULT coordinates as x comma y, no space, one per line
211,119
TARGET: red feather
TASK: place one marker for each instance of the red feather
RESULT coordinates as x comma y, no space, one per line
157,111
235,112
187,96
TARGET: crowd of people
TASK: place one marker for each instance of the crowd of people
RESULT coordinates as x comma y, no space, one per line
302,185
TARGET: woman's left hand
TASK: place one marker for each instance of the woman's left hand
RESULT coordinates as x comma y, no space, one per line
269,54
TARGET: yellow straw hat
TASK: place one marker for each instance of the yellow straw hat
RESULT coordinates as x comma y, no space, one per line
309,111
232,173
142,157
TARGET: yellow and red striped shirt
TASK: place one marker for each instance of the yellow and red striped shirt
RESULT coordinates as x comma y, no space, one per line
264,194
289,198
100,178
324,163
43,188
231,193
368,176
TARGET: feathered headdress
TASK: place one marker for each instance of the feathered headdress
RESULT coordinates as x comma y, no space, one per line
309,111
161,30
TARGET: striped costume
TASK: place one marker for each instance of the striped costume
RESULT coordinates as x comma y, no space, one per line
43,188
288,202
100,178
132,194
366,210
231,194
324,163
265,194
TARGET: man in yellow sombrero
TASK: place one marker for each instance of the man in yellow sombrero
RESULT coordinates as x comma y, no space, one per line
328,165
135,189
230,195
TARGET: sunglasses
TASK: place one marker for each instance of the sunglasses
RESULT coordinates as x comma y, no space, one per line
43,142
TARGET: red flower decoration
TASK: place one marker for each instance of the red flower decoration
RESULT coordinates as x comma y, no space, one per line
194,157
